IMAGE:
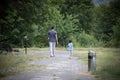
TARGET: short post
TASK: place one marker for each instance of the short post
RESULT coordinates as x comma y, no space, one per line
25,37
91,60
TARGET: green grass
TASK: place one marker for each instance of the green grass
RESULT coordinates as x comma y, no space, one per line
107,60
82,54
12,64
37,49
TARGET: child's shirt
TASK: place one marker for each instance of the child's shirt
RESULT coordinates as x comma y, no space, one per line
70,46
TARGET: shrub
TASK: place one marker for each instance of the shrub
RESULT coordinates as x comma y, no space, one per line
87,40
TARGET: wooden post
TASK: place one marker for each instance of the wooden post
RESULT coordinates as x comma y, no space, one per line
25,44
91,60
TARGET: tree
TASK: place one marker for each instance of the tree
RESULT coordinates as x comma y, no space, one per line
106,17
115,9
81,9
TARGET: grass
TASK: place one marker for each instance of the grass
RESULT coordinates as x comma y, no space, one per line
82,54
107,60
38,49
12,64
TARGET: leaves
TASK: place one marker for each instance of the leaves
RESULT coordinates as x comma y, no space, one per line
71,18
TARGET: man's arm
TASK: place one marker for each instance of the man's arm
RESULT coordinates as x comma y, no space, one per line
56,38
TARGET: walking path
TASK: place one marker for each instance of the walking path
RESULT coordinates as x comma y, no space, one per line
59,67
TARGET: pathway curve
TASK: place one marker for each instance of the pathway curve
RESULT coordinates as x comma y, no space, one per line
59,67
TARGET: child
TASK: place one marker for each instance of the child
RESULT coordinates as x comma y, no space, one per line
70,48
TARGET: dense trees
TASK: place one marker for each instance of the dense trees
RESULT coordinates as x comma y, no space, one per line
115,10
79,20
106,18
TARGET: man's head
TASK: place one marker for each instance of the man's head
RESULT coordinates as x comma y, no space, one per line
52,27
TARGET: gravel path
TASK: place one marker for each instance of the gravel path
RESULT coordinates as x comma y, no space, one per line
59,67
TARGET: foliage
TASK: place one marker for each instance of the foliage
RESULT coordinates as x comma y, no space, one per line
86,40
82,10
71,18
116,36
105,18
115,8
65,28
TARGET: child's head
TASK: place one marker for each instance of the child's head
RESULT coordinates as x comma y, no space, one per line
70,41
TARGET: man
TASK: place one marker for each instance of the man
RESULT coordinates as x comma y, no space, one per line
52,37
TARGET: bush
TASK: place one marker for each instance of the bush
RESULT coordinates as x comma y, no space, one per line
87,40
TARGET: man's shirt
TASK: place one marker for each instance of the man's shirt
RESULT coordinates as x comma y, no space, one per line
52,35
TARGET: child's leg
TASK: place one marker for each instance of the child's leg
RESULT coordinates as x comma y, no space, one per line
70,54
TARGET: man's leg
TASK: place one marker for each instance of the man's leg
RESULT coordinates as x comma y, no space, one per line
51,49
